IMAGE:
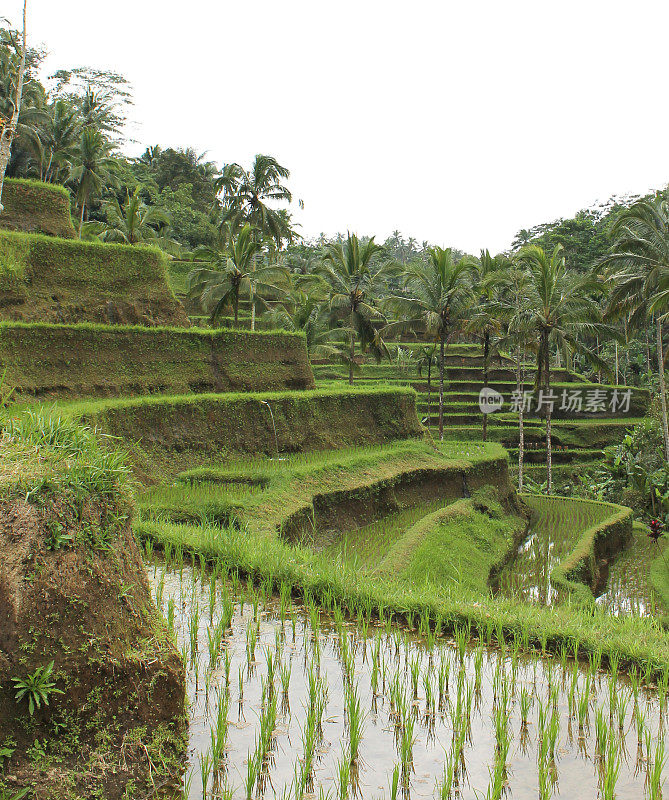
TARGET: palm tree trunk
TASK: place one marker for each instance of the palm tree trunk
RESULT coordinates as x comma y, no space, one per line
441,387
486,351
663,388
8,132
81,218
520,386
351,350
429,386
549,442
252,294
236,308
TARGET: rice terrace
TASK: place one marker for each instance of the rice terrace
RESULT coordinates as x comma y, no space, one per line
294,516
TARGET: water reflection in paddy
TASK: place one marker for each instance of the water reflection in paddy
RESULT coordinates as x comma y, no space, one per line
285,681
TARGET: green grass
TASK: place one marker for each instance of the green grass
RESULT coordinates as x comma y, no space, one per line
89,359
49,279
639,641
325,485
46,455
458,546
33,206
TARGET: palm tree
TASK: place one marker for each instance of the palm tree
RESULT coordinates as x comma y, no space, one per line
247,198
9,124
304,312
134,222
94,171
639,276
558,306
353,272
519,338
427,358
485,322
58,136
437,300
231,269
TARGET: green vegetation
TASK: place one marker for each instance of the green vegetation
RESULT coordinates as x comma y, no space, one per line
87,360
34,207
45,279
36,688
461,545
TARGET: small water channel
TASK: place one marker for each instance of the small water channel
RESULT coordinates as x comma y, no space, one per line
279,692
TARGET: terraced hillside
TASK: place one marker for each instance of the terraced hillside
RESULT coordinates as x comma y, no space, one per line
219,448
579,433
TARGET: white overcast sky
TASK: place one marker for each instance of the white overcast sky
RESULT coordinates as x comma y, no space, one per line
456,122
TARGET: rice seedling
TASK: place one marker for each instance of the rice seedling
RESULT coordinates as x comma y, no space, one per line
525,706
656,771
406,743
343,776
252,770
611,770
355,719
206,766
414,667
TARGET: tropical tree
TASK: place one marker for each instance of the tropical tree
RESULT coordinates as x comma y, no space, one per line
638,275
353,272
58,138
437,300
9,124
229,274
559,307
485,321
93,171
304,312
133,222
518,337
427,359
248,198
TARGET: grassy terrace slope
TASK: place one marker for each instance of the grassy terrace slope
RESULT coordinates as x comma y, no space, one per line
166,434
87,360
34,207
47,279
317,496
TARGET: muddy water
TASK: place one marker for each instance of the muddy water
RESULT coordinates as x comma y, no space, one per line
528,576
313,642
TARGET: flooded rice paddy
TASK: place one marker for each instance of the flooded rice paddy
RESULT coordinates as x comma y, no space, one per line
551,537
287,700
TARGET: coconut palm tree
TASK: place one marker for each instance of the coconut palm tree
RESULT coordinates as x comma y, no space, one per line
353,272
559,307
93,171
134,222
427,359
248,198
229,274
638,275
485,321
15,69
305,312
518,337
437,300
58,138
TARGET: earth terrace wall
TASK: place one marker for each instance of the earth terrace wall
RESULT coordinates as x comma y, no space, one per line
87,360
46,279
35,207
332,513
166,435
